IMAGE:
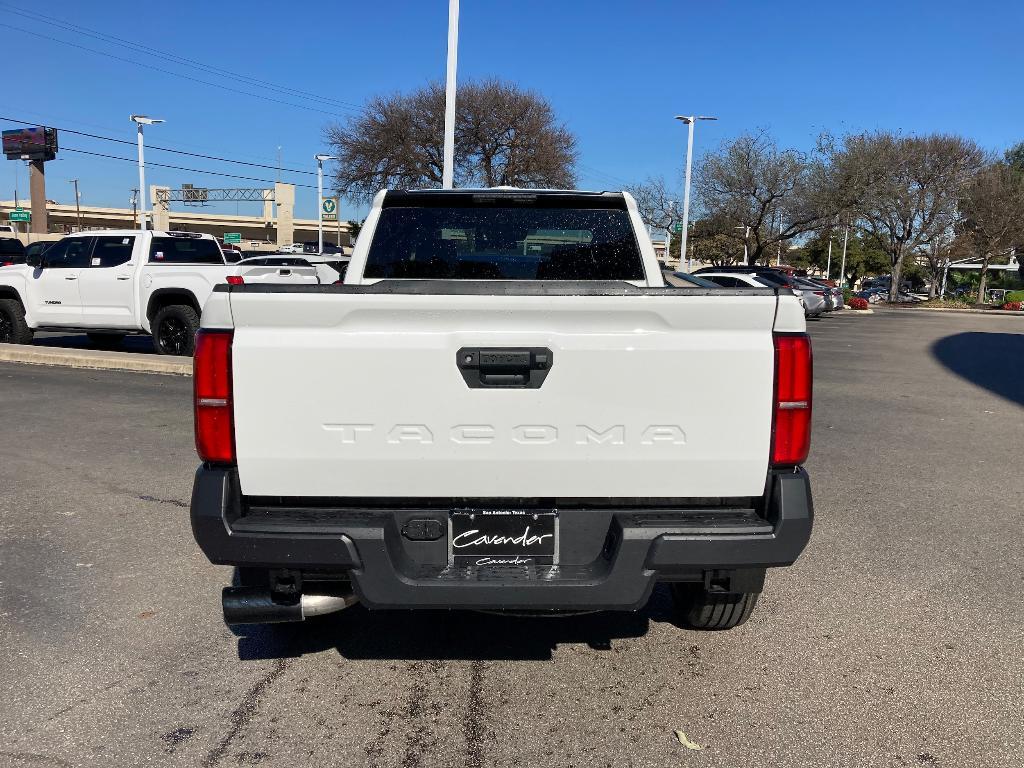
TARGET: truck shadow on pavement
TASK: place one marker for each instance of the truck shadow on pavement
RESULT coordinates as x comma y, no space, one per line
359,634
989,360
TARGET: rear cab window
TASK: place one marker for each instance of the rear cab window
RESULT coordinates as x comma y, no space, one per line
487,236
184,250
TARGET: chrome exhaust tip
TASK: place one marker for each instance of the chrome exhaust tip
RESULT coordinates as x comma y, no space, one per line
256,605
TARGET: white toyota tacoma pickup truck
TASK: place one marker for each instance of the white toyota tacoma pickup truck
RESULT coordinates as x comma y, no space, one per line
111,283
503,407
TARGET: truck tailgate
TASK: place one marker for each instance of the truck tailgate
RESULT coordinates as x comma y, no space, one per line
649,394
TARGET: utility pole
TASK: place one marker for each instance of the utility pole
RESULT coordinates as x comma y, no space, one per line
828,264
689,120
448,170
141,120
78,207
133,202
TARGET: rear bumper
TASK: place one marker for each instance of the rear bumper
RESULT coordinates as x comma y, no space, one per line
611,557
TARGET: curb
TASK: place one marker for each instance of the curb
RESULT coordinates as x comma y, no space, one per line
95,359
996,312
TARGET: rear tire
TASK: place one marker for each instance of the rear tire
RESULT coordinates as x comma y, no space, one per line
714,611
174,330
13,328
106,340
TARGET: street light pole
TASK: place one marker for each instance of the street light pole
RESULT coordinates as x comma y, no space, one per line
689,120
448,170
78,207
320,198
828,264
842,264
141,120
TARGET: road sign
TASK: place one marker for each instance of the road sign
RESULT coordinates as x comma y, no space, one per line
19,214
329,209
233,237
677,227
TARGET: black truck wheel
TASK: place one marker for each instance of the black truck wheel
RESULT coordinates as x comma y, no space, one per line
13,328
174,330
700,609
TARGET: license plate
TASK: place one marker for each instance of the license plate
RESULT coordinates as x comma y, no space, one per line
503,537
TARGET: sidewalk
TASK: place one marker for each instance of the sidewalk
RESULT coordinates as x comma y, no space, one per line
95,359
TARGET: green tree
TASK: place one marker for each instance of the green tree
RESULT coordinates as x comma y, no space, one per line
903,190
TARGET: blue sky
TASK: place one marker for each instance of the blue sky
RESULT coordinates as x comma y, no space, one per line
615,72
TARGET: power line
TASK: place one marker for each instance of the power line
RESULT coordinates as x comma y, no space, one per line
177,167
171,72
104,37
167,149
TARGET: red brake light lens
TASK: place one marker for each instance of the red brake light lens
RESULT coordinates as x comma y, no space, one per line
214,411
791,428
236,280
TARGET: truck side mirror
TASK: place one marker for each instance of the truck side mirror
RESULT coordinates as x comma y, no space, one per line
35,260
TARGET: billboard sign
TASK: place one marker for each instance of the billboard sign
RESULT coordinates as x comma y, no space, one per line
30,143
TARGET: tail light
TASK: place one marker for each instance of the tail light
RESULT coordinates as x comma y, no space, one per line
791,418
816,293
211,378
236,280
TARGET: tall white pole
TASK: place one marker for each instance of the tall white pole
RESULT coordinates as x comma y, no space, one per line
686,189
668,245
320,204
842,265
448,170
142,181
828,264
778,247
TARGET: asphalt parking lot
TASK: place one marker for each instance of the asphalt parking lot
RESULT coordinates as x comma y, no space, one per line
896,640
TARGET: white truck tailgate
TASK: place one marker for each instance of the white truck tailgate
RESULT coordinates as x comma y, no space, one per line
647,396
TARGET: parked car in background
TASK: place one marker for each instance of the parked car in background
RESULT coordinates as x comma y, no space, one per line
822,291
314,248
114,282
12,251
292,248
686,280
873,295
812,301
833,289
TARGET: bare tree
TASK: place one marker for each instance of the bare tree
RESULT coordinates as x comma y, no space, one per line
772,194
504,136
993,214
904,189
653,201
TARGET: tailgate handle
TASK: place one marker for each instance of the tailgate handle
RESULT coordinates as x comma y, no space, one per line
504,367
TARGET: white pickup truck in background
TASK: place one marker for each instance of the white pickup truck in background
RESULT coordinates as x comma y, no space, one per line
112,283
503,407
